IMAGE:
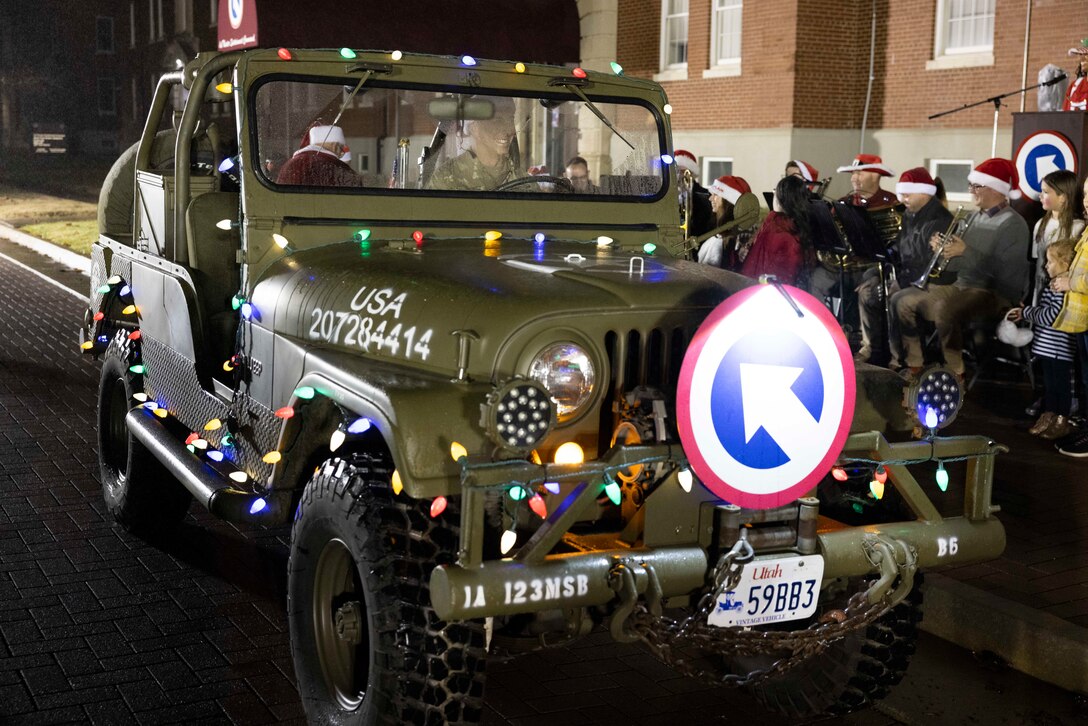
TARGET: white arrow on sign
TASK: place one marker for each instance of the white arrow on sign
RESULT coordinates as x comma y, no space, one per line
769,402
1044,165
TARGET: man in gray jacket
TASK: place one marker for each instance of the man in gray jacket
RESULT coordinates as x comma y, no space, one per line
991,261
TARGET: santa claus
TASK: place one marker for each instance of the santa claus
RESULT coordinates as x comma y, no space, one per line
321,160
1076,98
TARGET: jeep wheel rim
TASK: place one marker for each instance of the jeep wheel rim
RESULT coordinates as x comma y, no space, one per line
340,625
115,435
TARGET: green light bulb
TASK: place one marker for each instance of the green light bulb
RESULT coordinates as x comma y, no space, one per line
612,489
104,289
649,248
306,392
942,477
347,53
517,493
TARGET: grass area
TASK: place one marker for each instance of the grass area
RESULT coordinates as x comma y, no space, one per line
77,236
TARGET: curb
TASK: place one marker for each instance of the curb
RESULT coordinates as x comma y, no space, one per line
1033,642
54,252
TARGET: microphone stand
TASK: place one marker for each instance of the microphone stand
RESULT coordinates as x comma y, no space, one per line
996,101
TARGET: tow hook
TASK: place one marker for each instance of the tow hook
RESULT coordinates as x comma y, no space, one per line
348,621
896,560
622,581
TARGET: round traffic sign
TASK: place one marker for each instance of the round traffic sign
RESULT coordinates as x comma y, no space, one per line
766,396
1038,155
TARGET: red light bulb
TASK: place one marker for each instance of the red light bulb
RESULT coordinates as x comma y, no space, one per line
538,506
839,473
578,73
418,237
98,316
438,506
284,54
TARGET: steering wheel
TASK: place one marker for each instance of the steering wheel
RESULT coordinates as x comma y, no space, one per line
559,181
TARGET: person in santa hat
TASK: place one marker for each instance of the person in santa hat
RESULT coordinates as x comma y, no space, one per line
729,248
806,171
702,214
990,258
1076,96
866,171
923,217
321,160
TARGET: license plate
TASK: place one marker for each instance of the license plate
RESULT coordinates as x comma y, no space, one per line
771,591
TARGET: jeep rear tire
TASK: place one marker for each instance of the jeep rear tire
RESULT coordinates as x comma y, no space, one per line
367,646
853,672
140,494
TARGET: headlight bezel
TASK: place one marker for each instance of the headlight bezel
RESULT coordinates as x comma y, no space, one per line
594,385
503,402
933,381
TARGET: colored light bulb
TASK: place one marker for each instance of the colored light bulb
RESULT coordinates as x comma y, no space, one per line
876,488
305,392
225,166
666,159
215,455
492,235
519,67
552,487
438,506
225,87
272,457
284,54
667,108
539,507
516,493
684,476
457,451
138,369
258,506
615,494
285,412
213,425
468,60
839,474
881,474
347,53
359,425
280,241
578,73
104,289
396,55
397,484
616,68
336,440
507,541
239,476
247,311
649,248
942,477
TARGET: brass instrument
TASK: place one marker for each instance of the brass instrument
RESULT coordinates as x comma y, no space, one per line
938,262
887,220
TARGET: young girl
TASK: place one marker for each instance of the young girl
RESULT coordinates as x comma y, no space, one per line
1060,221
1054,349
726,251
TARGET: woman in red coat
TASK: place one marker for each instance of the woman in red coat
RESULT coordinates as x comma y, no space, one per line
782,246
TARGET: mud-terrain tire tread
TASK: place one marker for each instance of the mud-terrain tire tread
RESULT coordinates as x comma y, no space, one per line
852,673
150,499
423,670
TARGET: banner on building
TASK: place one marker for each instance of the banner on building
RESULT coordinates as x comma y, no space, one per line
237,24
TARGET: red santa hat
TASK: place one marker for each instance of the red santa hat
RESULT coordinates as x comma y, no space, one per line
686,160
729,188
916,181
999,175
808,171
322,134
867,162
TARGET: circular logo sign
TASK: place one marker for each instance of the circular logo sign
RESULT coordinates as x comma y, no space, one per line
1038,155
766,396
235,9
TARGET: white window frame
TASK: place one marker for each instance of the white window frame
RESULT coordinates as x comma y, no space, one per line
719,66
132,24
672,71
183,16
964,57
952,196
704,167
214,13
113,36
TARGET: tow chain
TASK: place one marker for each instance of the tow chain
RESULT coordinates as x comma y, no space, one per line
685,642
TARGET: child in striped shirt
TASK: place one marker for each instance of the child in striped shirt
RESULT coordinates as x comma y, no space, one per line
1055,350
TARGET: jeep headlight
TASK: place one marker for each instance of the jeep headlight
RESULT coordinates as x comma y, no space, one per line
566,371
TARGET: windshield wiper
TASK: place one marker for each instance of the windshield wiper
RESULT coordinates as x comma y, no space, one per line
351,96
596,111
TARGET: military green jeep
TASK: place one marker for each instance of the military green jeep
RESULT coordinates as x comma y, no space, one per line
354,290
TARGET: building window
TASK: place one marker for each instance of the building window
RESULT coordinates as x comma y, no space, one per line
103,34
135,98
964,34
953,174
213,11
674,35
107,97
726,32
714,167
132,24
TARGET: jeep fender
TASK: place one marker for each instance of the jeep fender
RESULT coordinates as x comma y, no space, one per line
417,414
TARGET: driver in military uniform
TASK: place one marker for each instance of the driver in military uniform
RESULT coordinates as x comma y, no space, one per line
490,162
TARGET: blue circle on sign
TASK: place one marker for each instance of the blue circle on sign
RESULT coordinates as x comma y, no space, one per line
1031,168
726,395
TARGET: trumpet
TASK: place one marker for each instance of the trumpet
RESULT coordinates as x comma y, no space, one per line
938,262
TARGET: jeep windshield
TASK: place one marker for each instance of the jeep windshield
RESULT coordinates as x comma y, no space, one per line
377,138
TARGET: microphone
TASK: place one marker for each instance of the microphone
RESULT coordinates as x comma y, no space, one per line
1060,77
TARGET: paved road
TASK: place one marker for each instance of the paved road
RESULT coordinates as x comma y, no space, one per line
99,626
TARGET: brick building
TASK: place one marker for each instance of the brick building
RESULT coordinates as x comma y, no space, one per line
754,84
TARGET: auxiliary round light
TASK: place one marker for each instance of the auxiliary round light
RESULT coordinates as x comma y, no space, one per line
935,398
566,371
569,453
519,414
